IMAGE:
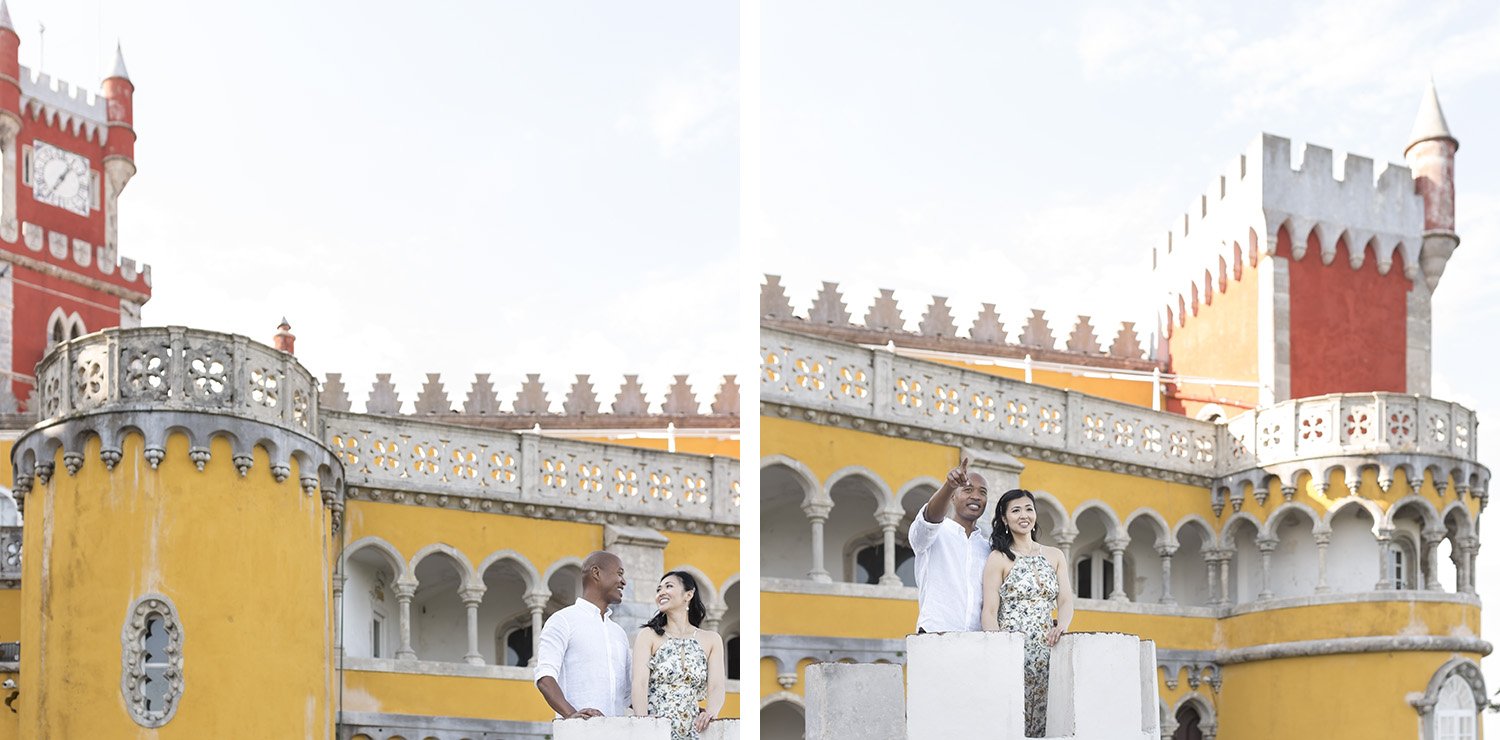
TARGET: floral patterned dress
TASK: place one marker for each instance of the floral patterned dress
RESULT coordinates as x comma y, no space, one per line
678,680
1027,598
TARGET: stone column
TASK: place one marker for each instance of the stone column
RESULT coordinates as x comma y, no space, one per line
338,613
1267,545
1116,546
404,591
643,552
1321,539
817,513
1212,558
1467,547
1065,538
1166,552
1225,557
536,602
714,614
471,596
1385,539
1431,538
889,521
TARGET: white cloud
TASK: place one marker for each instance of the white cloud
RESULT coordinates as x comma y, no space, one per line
688,113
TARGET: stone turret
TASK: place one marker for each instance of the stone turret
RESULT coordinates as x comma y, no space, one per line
1430,156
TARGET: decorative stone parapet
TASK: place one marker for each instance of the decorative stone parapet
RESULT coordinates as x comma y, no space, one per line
840,384
404,460
158,382
1351,431
175,368
10,557
581,408
986,335
390,726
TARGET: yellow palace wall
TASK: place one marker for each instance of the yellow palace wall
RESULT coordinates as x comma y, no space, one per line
1329,679
475,536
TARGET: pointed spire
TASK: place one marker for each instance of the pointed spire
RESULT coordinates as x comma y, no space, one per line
5,17
119,68
1430,121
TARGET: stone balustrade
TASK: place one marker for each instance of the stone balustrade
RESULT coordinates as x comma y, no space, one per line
635,728
841,384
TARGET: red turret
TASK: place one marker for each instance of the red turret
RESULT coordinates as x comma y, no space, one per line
1430,156
10,64
119,91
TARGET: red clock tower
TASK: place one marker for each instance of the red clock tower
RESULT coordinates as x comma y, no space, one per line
67,154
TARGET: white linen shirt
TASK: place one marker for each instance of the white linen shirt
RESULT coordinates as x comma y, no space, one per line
589,657
950,572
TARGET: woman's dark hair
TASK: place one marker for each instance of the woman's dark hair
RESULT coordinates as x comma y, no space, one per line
1000,536
696,610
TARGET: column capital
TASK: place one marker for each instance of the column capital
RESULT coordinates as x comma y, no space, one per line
889,519
471,595
1266,544
1117,543
404,589
1166,550
1433,536
1322,537
817,510
536,600
1065,537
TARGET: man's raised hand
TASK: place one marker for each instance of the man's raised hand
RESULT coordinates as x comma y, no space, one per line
958,478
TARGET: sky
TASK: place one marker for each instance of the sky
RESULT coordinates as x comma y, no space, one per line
1031,155
459,188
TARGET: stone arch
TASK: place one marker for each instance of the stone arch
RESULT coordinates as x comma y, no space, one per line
1285,510
528,571
811,490
1193,538
885,500
559,564
467,576
782,716
1466,673
1164,534
1373,509
1235,522
392,555
1208,720
911,486
1428,511
1111,519
1209,537
1463,519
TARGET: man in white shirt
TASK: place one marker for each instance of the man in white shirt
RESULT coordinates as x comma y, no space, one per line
951,552
583,656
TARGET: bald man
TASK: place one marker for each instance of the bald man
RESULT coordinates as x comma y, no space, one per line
583,656
951,552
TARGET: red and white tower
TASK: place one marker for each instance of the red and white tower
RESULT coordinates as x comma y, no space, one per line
67,154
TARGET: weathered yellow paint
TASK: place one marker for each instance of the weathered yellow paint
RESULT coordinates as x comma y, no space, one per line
691,445
246,560
7,472
717,557
1361,695
10,614
826,450
1123,493
456,696
768,683
1358,619
836,616
474,534
1127,391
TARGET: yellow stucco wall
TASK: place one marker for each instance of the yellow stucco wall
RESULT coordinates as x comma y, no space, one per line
457,696
247,562
826,450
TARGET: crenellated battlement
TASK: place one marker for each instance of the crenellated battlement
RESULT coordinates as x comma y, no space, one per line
582,407
101,259
1277,185
71,108
938,330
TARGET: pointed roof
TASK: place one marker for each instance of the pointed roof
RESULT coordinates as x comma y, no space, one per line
119,68
5,17
1430,121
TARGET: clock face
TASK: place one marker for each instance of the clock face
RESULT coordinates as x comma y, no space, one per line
60,178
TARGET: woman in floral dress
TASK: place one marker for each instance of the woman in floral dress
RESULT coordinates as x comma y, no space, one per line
675,665
1024,581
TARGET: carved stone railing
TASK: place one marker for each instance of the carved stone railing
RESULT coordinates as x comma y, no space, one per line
879,391
1352,431
411,461
175,368
874,390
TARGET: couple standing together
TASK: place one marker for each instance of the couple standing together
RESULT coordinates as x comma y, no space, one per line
967,581
586,667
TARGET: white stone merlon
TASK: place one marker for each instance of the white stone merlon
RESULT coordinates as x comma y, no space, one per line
69,107
942,666
1261,191
855,701
1091,696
